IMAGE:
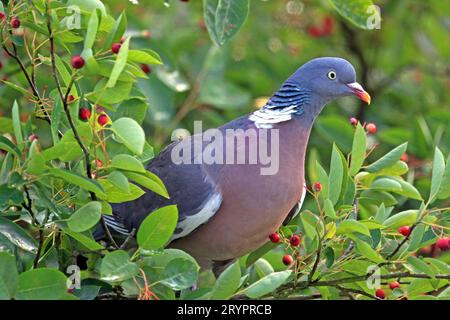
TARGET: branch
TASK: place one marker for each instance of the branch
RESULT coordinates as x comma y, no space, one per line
29,207
30,81
397,275
316,264
64,98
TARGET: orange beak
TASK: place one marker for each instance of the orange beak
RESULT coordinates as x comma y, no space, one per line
358,91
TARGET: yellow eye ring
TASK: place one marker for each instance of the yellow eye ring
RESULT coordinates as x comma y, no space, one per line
331,75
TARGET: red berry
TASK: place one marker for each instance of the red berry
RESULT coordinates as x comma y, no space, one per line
116,47
201,24
315,31
443,243
77,62
99,163
380,294
317,187
353,121
371,128
146,68
328,24
287,259
84,114
15,23
146,34
404,157
2,15
295,240
70,98
426,251
102,119
32,137
274,237
394,284
405,230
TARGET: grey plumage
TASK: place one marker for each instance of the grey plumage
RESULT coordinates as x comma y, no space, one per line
227,210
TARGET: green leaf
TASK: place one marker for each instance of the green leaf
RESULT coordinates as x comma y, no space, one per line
415,240
336,175
258,253
358,150
157,228
329,209
17,235
85,241
119,64
127,162
149,183
7,145
322,177
382,214
116,32
145,56
14,86
408,190
311,224
267,284
356,11
116,267
404,218
227,283
74,178
420,266
119,180
180,274
366,250
134,108
88,5
444,191
397,169
224,18
130,133
116,195
386,184
16,124
41,284
389,159
437,175
352,226
91,31
8,276
86,217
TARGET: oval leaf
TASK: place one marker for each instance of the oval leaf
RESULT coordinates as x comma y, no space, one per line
156,230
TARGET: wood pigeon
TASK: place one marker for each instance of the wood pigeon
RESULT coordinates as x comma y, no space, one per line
228,209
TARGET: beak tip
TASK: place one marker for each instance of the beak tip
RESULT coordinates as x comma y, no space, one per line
358,91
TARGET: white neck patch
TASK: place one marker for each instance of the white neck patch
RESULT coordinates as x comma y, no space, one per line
268,115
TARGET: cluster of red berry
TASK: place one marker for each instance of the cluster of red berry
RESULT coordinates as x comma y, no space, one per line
78,62
370,126
85,113
442,243
293,242
14,22
381,294
326,28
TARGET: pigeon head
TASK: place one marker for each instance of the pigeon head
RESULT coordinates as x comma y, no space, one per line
329,78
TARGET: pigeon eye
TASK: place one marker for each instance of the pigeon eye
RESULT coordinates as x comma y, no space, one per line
331,75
